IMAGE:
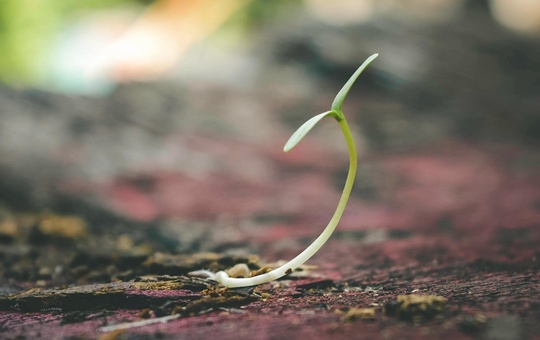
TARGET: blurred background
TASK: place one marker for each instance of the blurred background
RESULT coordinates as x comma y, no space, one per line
174,112
87,45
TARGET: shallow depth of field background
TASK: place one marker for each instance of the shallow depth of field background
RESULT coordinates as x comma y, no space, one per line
177,110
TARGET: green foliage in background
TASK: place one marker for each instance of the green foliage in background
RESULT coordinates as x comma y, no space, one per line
29,27
26,30
259,12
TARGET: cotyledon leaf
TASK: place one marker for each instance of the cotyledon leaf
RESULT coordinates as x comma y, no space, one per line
299,134
338,101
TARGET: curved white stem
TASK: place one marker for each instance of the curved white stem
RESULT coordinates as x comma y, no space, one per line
305,255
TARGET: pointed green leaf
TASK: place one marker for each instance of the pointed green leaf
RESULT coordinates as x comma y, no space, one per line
299,134
338,101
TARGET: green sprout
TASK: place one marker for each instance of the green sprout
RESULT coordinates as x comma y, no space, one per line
335,112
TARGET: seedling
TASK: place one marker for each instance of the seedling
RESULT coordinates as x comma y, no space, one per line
335,112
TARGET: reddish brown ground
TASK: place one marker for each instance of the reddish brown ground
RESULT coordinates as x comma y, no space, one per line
457,221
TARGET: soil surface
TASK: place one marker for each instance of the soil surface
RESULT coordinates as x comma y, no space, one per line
106,204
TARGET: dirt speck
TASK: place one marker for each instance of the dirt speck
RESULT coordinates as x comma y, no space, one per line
354,314
62,226
415,307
